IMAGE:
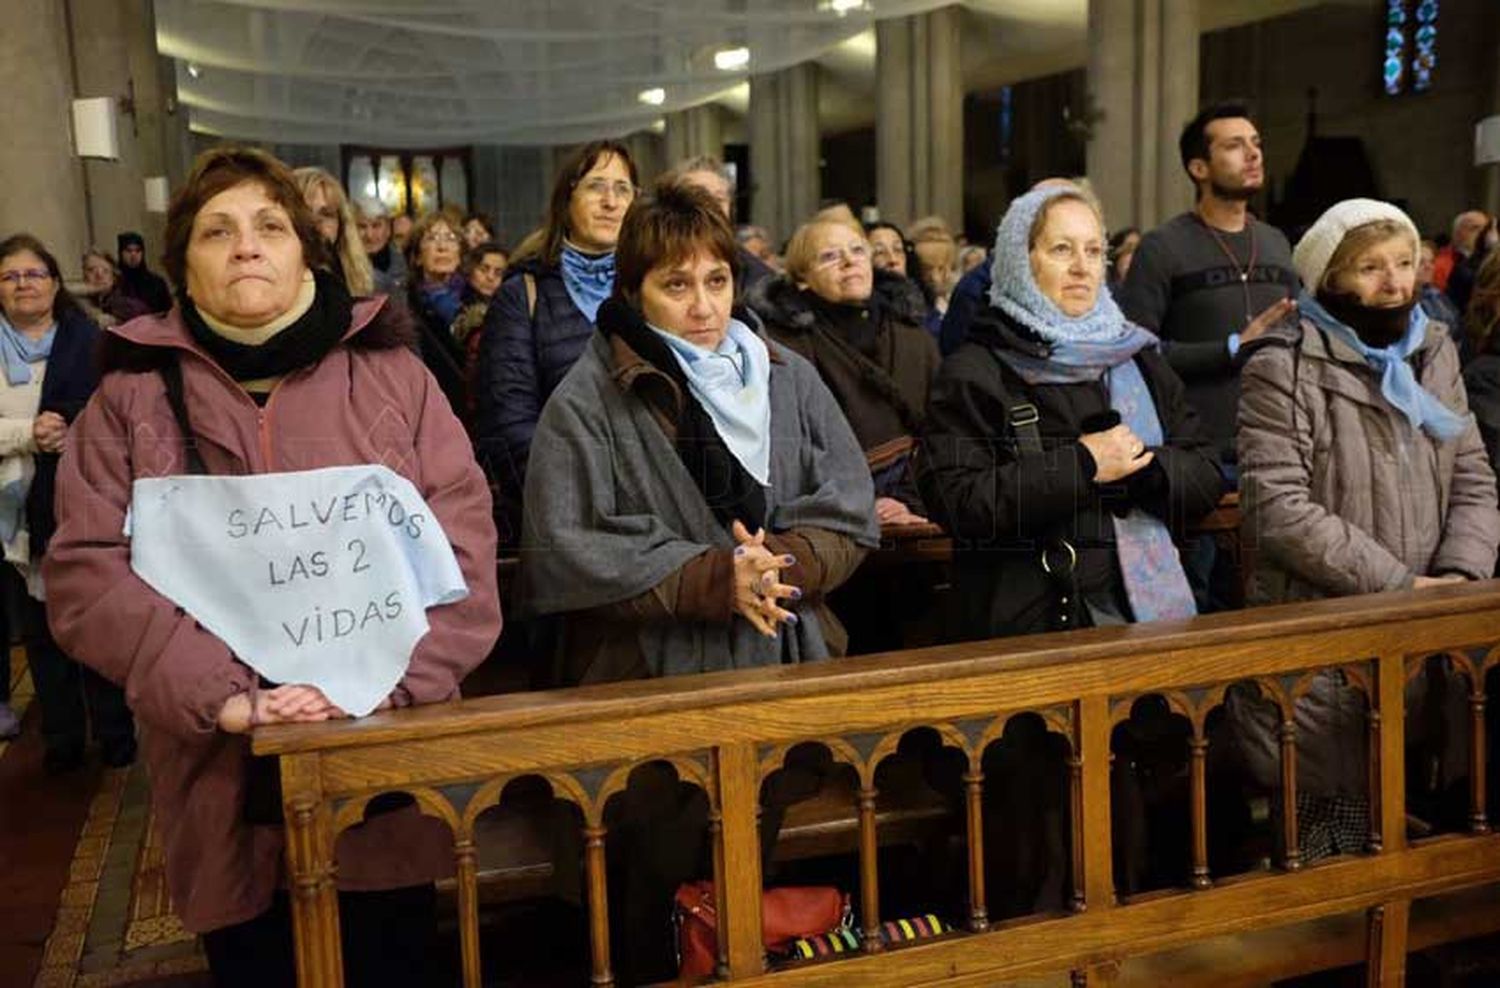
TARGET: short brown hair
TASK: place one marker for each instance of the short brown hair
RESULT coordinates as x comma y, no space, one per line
1483,314
220,169
17,242
1360,239
546,242
675,221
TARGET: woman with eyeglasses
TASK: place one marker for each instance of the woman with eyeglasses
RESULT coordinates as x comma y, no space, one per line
545,311
47,345
862,330
435,293
1060,451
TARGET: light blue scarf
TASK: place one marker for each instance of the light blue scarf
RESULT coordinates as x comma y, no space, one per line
1084,348
733,384
20,351
589,279
1398,382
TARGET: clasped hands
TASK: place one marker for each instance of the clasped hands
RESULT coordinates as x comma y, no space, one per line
50,432
294,703
757,582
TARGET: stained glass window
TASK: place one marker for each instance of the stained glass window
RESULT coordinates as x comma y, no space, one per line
1426,39
1410,52
1394,68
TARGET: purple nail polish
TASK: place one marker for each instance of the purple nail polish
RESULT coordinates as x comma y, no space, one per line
792,619
739,551
788,560
796,594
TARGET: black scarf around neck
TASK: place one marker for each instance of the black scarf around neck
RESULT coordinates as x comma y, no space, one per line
381,259
302,343
1375,326
727,487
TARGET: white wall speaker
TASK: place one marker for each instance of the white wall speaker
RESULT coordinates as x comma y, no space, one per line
157,194
1487,141
95,129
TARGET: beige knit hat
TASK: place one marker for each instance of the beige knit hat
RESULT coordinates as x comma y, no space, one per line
1313,252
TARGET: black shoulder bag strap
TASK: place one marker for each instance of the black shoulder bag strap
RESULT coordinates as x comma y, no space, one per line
1059,559
171,376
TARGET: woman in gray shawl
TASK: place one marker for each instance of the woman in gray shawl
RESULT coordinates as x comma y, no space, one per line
693,493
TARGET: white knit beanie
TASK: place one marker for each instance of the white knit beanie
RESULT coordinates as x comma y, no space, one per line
1313,252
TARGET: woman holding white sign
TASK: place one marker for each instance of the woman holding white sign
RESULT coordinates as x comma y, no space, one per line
299,426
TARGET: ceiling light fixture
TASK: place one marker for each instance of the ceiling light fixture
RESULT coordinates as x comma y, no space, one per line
653,97
844,7
731,59
193,70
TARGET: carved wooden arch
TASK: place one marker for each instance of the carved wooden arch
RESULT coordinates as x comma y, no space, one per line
1178,702
1357,676
1490,661
1056,721
951,737
688,769
428,800
1273,691
563,786
843,753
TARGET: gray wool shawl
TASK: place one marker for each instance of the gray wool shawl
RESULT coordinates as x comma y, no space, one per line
610,511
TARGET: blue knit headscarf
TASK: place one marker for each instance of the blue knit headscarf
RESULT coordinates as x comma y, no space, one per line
1081,347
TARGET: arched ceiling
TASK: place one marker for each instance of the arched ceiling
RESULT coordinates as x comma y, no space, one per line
445,72
468,71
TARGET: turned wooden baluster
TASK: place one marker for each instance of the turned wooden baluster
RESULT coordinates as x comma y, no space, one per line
593,856
309,850
1198,782
869,877
468,909
979,917
1289,793
1374,842
1479,821
1075,793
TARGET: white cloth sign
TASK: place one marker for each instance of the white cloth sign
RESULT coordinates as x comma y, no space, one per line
321,576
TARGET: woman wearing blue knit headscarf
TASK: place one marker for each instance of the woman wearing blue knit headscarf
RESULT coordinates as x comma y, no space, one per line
1062,457
1059,451
1361,470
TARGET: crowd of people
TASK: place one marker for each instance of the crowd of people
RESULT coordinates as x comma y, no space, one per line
692,440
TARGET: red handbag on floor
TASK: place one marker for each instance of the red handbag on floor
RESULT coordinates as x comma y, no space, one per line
786,914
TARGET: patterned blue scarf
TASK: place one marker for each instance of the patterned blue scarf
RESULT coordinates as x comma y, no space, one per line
733,384
1398,382
444,297
1079,349
20,351
589,279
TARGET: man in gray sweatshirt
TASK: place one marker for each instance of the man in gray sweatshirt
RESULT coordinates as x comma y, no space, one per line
1213,278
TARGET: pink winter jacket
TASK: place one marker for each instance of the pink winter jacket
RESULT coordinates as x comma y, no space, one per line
369,400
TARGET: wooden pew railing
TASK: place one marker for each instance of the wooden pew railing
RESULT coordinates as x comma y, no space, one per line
727,732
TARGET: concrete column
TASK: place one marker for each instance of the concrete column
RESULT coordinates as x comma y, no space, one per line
785,179
696,131
646,150
1143,81
919,134
42,192
103,36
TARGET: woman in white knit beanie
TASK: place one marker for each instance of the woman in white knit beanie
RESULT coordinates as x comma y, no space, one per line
1361,471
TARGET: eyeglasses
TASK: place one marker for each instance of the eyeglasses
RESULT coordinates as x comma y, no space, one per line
25,274
440,237
833,255
598,188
